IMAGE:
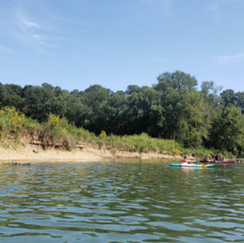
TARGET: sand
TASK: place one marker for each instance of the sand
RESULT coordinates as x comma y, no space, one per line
35,154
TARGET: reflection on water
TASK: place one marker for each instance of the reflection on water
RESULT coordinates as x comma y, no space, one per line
121,202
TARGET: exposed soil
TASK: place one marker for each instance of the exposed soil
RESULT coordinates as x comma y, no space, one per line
35,153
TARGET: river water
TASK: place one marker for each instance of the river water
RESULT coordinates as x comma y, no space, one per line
121,202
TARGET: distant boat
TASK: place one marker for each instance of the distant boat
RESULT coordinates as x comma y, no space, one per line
218,162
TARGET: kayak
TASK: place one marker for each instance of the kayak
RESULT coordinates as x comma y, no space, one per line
218,162
191,165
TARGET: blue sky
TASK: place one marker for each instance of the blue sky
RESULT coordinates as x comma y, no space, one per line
115,43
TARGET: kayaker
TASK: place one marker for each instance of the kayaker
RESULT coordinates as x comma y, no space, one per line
185,160
206,158
218,157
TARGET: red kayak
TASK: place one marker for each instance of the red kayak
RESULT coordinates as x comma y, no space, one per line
218,162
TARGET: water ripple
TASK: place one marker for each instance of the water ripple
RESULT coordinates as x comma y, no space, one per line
121,202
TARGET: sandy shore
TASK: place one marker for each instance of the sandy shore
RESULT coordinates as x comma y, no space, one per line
35,154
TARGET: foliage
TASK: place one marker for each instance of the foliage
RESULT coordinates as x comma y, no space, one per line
103,134
176,80
192,123
10,121
139,119
138,143
227,131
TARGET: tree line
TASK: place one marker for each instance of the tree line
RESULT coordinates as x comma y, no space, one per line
173,108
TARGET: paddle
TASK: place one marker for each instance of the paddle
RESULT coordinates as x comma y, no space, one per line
203,165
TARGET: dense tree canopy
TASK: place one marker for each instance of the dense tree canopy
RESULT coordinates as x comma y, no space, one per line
177,80
228,130
172,108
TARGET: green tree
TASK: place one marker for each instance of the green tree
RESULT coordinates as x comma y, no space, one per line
194,123
131,89
3,92
177,80
75,110
15,101
36,99
228,97
13,89
58,91
76,93
95,99
240,100
116,113
59,105
227,132
210,92
166,114
140,107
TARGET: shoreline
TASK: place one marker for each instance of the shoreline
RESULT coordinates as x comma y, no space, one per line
35,154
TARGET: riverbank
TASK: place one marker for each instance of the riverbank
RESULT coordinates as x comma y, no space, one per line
35,154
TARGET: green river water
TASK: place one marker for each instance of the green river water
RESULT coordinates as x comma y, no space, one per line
121,202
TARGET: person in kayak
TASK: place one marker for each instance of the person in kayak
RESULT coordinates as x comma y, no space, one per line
219,157
206,159
185,160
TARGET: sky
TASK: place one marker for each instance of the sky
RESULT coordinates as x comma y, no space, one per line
74,44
